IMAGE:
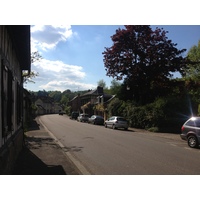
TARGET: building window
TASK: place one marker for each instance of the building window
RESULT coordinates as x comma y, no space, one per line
19,104
7,101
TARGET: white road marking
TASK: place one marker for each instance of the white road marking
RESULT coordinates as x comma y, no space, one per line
75,161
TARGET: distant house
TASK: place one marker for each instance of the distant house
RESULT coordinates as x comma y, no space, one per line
87,103
75,104
14,58
46,105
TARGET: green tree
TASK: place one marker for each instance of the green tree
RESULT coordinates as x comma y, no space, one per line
192,73
193,69
28,76
35,56
114,107
145,59
115,87
101,83
56,95
65,99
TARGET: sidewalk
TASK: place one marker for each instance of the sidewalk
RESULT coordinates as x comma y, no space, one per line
41,155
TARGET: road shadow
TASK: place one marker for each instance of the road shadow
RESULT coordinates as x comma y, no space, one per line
37,142
34,125
29,164
41,154
121,129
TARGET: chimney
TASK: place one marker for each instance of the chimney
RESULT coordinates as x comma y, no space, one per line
100,90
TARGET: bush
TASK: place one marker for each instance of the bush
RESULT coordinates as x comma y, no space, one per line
114,107
163,115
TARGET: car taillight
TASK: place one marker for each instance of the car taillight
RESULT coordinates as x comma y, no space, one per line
182,128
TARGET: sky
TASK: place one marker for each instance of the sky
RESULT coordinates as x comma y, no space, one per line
72,54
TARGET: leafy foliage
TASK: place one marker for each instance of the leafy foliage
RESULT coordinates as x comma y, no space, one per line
114,107
192,73
193,69
163,115
144,58
101,83
115,87
28,76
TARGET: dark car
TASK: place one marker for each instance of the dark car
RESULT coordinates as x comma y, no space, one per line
74,115
61,112
96,119
190,132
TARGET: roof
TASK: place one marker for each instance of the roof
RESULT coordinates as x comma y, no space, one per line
89,93
98,91
111,97
44,99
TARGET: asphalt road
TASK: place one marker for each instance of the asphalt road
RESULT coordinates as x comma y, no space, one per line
103,151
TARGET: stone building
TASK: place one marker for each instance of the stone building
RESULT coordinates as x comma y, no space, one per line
89,101
14,58
46,105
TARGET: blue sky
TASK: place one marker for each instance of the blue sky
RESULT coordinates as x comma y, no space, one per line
72,55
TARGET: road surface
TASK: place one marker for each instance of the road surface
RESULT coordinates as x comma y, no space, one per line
103,151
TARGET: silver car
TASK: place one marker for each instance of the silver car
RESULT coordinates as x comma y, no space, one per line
190,132
83,117
116,122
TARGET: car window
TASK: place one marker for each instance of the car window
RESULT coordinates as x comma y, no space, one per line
99,117
194,123
121,119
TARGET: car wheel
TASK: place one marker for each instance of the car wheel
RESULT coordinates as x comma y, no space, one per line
113,126
105,125
192,141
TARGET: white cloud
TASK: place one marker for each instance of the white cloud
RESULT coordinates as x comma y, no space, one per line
56,75
59,67
66,84
47,37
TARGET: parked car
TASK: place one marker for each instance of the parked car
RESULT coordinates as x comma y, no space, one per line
190,132
61,112
83,118
96,119
116,122
74,115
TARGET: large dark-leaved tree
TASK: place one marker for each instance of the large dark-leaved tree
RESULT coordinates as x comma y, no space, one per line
145,59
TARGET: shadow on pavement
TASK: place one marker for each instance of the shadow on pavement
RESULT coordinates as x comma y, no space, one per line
29,164
41,155
34,125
